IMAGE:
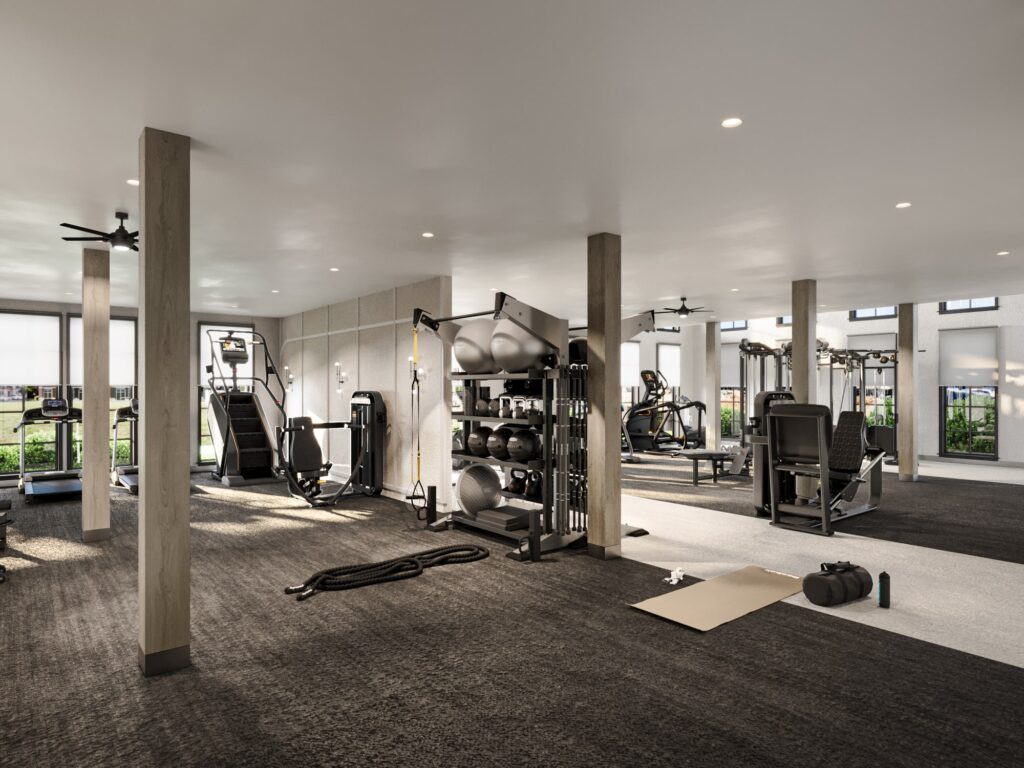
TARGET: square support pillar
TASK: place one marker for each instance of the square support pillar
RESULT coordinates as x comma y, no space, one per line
804,381
713,385
95,395
604,392
906,420
164,390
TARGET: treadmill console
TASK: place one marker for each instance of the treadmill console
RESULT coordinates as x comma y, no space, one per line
135,406
55,408
233,351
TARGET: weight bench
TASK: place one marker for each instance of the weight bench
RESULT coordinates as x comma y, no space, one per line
802,443
737,455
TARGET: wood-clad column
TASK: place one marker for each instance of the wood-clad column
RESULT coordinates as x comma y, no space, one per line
164,389
95,394
804,381
604,392
713,385
906,425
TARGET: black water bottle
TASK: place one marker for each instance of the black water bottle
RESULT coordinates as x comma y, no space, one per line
883,590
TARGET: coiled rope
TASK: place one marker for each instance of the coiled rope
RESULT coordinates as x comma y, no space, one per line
365,574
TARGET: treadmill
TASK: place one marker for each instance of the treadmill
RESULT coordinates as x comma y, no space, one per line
124,475
48,485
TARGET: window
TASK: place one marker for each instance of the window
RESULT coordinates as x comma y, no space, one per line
206,452
731,403
784,320
670,363
872,313
733,325
122,383
968,305
629,374
969,422
30,371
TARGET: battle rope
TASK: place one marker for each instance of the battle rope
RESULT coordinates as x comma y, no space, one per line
365,574
417,498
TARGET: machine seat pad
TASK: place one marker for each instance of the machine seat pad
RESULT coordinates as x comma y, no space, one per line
849,443
304,453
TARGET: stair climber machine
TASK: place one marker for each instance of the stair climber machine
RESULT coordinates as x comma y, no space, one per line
124,475
302,459
240,427
48,485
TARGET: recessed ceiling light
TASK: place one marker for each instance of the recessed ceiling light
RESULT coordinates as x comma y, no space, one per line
732,122
494,290
428,235
275,291
234,306
335,269
69,293
823,305
734,290
132,182
1003,253
903,205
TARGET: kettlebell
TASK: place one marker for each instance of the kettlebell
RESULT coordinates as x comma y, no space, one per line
506,408
477,441
483,407
522,446
535,486
517,482
494,407
497,443
520,411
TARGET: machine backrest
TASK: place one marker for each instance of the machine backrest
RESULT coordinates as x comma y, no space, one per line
849,442
793,429
303,448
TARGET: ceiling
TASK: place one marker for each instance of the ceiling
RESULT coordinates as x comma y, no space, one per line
334,134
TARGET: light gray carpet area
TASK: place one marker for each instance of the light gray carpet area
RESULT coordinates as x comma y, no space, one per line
488,663
972,518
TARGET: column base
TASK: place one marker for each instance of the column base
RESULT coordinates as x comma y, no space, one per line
908,478
604,553
162,662
96,534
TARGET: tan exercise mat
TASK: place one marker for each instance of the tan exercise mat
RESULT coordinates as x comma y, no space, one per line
719,600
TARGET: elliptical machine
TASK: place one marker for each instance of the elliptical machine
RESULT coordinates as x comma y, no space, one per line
644,424
302,459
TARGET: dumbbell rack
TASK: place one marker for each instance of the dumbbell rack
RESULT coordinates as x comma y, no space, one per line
553,530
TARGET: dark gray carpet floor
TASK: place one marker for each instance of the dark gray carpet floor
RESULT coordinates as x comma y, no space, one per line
983,519
486,664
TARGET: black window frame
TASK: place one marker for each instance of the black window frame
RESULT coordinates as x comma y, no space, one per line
943,405
853,314
780,321
944,311
736,326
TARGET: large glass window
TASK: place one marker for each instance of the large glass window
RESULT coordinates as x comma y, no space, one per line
29,371
872,313
733,325
969,422
968,305
122,383
731,404
206,452
670,363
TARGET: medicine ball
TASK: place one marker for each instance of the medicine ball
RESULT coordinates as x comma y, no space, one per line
482,407
494,407
535,486
472,346
523,445
517,483
516,350
477,441
497,443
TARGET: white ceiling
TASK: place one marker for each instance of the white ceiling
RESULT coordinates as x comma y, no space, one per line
333,134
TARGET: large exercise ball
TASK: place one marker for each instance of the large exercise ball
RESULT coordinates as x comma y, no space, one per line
477,441
515,350
478,488
497,443
472,346
523,445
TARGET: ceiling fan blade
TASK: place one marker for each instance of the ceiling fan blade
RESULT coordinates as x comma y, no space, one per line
134,234
135,247
85,229
86,239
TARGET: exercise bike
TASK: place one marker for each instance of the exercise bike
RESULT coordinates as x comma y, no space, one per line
644,424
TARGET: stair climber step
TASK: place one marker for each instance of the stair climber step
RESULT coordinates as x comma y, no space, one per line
254,460
251,440
246,425
243,411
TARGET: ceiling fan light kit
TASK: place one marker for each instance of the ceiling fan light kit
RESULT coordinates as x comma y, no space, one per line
120,239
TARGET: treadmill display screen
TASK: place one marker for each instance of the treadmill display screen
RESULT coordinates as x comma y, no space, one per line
55,408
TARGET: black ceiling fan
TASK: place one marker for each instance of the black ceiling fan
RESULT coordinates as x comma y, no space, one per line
120,239
682,310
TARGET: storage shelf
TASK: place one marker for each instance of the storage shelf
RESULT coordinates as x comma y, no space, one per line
472,457
520,497
548,373
516,534
536,420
